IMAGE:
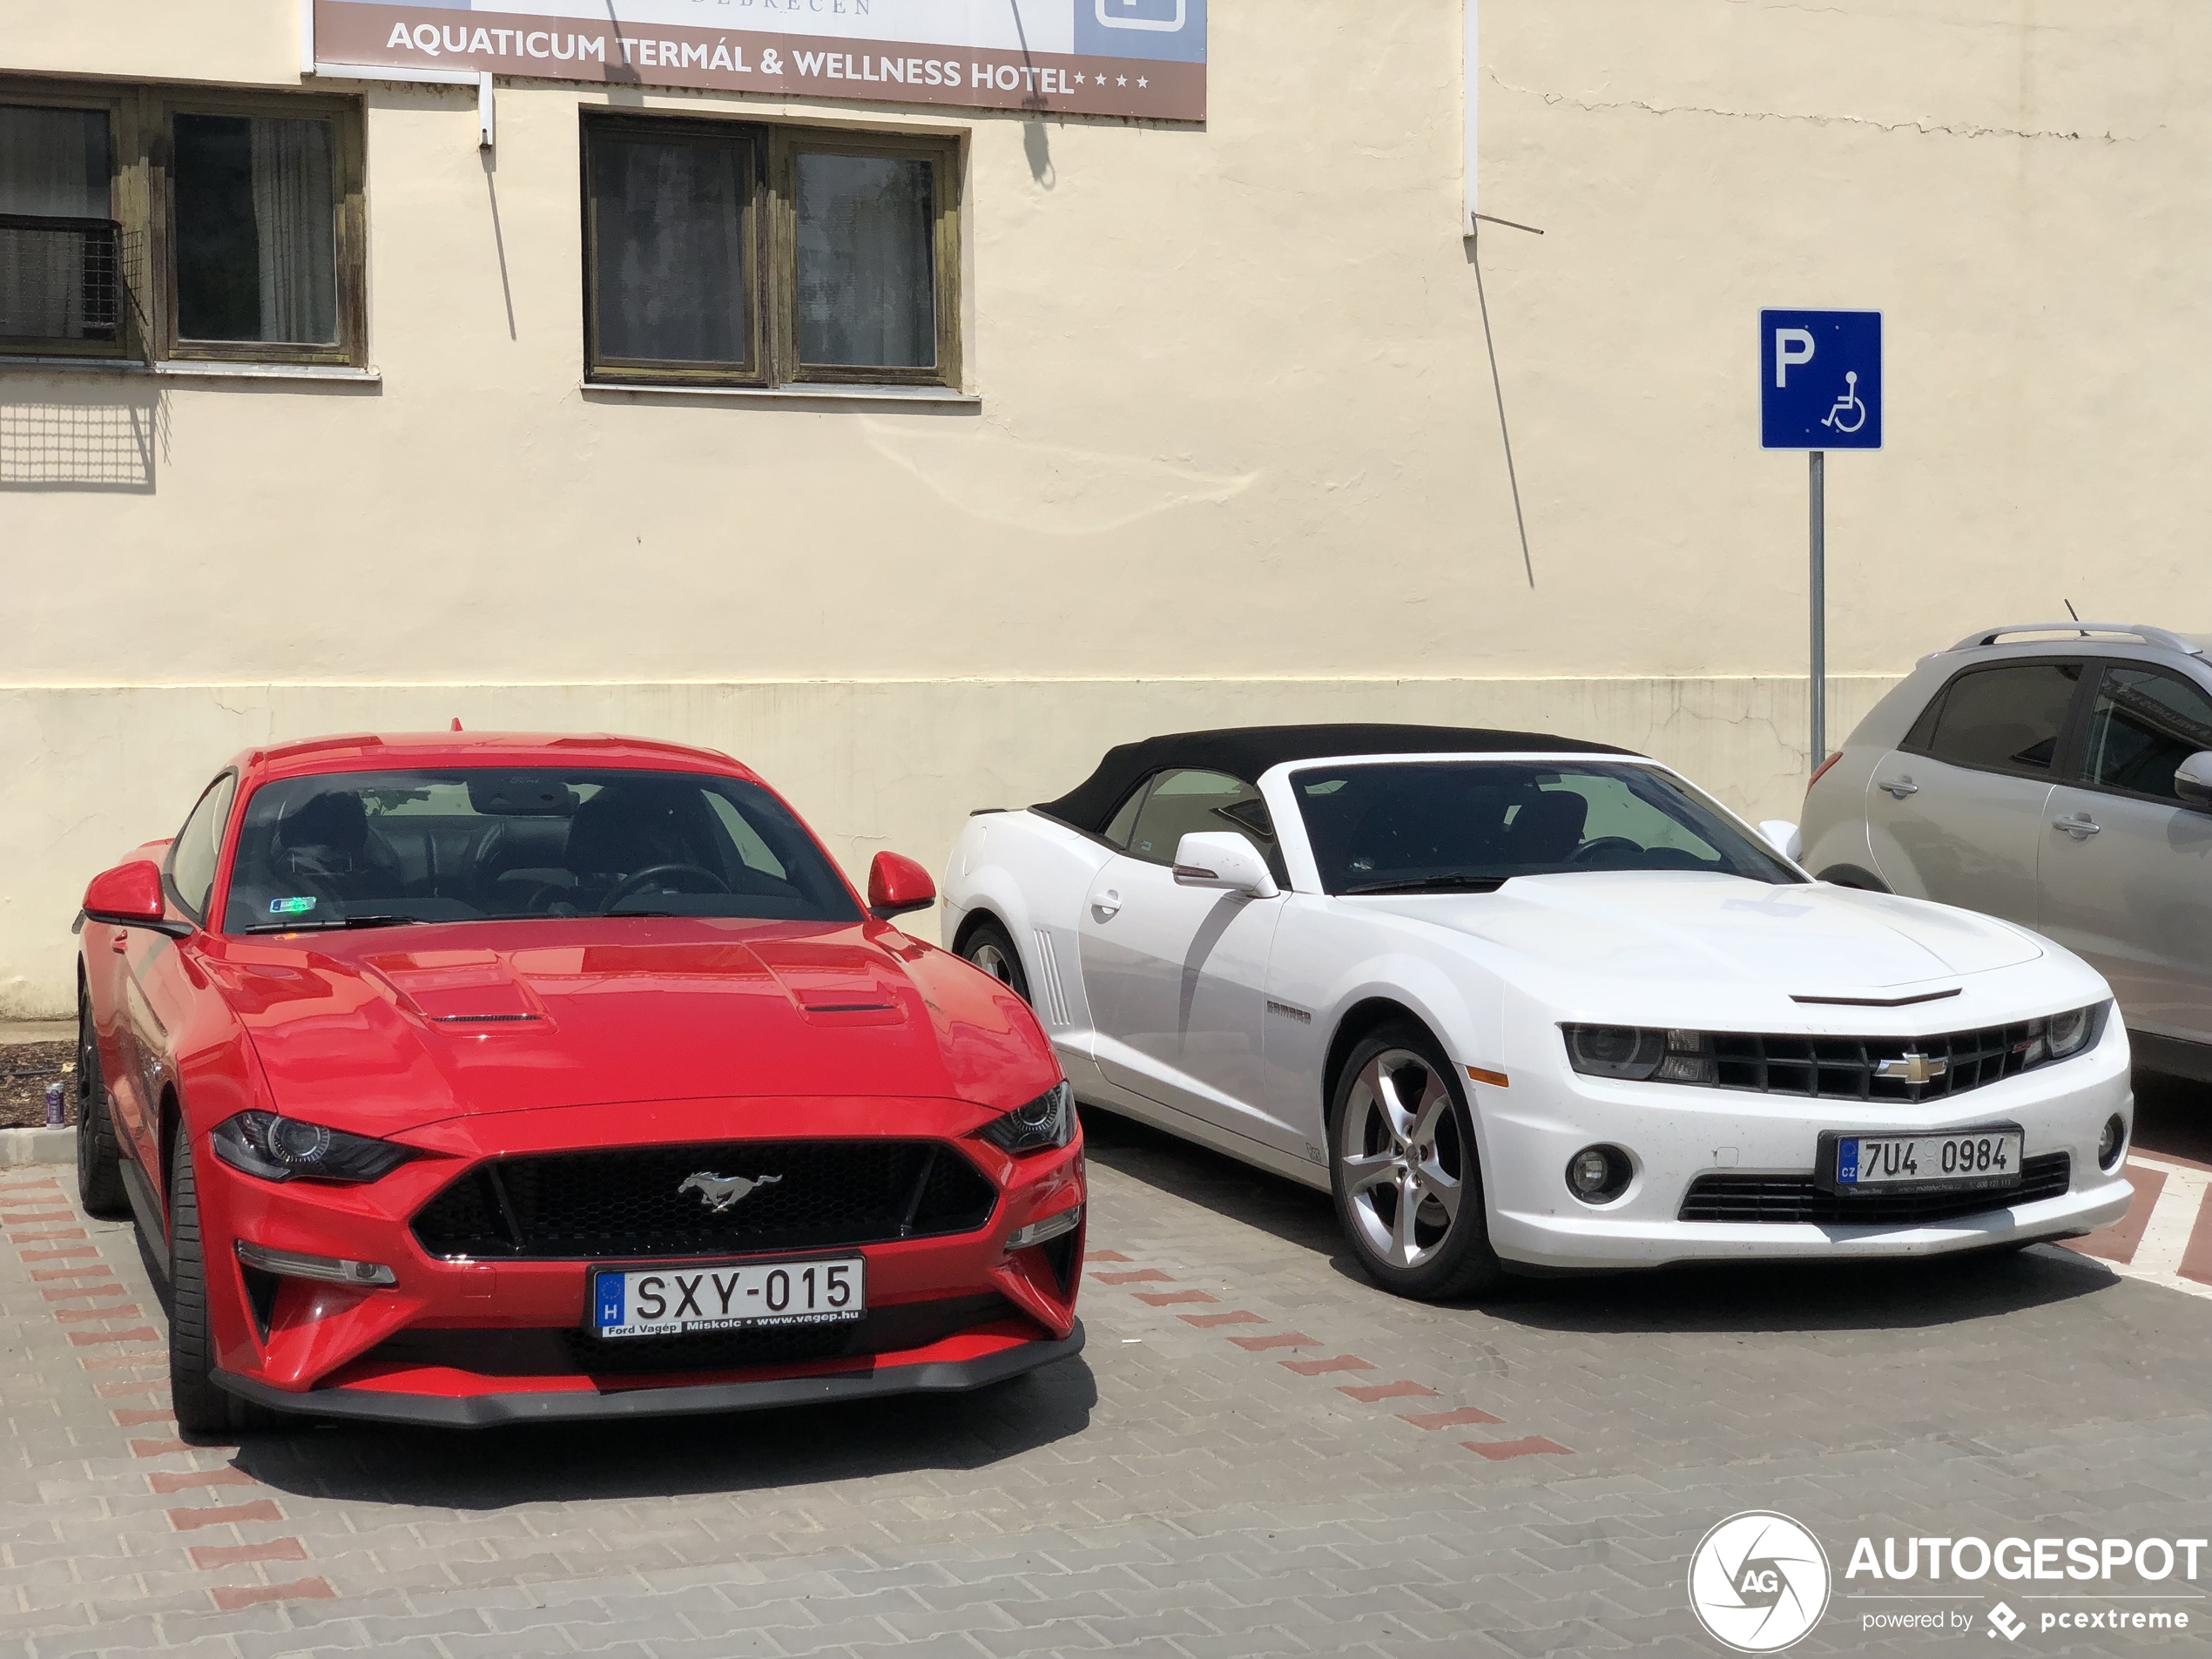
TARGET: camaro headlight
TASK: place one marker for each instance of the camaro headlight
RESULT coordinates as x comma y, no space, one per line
1630,1052
2062,1035
1047,1121
283,1148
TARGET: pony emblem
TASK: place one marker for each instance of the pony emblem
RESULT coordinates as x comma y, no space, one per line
719,1192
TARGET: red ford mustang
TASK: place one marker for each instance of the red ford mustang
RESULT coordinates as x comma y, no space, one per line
476,1079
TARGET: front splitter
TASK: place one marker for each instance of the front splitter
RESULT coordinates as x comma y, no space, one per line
488,1410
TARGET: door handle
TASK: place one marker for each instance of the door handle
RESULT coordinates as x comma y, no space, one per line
121,942
1900,787
2081,826
1107,904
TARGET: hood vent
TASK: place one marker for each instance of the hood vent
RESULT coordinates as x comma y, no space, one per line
1877,1002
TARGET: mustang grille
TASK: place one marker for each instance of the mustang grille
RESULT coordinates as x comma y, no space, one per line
1844,1067
625,1202
1789,1197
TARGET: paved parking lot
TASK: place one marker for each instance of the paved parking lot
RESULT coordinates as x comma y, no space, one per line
1257,1454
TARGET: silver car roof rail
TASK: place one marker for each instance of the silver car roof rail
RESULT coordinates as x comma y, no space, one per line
2159,637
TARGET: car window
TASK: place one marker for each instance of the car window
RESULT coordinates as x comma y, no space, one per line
193,855
2007,718
1124,821
509,843
2145,723
1412,826
1186,801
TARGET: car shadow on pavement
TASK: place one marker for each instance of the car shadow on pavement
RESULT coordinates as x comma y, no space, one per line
659,1457
1746,1297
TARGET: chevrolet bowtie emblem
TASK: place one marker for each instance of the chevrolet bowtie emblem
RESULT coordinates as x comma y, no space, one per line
719,1192
1914,1068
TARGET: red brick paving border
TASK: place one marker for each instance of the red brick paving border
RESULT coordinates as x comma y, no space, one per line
1323,1367
1368,1394
1449,1419
224,1514
306,1589
1498,1450
208,1557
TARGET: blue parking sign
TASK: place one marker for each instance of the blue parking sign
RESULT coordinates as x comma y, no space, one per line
1820,380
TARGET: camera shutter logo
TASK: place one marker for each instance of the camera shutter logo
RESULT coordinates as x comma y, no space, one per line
1758,1581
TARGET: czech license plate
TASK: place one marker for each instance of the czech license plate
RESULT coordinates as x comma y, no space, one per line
726,1296
1960,1161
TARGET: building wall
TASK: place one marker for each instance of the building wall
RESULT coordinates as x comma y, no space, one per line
1237,451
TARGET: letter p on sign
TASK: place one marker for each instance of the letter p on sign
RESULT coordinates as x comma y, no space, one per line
1791,346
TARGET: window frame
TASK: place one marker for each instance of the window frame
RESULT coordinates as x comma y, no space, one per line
2066,755
598,368
63,95
2085,716
350,252
141,139
771,238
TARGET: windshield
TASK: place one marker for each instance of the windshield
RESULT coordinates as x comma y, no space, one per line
374,848
1446,826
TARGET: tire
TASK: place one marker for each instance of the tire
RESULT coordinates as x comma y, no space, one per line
99,1167
201,1407
989,949
1445,1253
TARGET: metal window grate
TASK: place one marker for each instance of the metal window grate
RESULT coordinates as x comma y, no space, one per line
62,279
1779,1199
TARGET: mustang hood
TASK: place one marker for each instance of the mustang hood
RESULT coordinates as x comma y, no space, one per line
1692,927
388,1030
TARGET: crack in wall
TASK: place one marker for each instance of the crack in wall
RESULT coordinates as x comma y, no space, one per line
1926,129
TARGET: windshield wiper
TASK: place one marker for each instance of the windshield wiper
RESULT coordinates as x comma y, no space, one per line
1433,884
330,926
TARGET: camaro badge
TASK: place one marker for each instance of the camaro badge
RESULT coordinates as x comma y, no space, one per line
719,1192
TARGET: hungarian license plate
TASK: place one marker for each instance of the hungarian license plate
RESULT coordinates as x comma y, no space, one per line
1959,1161
726,1296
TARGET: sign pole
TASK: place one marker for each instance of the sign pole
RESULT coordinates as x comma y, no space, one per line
1819,607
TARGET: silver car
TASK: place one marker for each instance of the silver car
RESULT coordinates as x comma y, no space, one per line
2058,775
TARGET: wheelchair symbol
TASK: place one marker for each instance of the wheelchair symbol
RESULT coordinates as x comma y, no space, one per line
1849,412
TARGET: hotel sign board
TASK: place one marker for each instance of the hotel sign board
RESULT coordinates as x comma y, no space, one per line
1144,58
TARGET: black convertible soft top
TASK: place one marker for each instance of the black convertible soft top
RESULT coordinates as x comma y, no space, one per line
1247,752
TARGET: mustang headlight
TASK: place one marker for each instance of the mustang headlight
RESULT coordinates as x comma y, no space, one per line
283,1148
1627,1051
1047,1121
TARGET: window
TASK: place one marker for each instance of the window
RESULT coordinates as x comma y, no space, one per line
1188,802
1124,820
142,223
384,848
60,248
1445,826
2003,719
192,854
2144,725
721,253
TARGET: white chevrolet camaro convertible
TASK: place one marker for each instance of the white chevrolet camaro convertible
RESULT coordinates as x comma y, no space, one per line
1524,1002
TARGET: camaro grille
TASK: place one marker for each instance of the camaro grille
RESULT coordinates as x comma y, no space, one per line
1791,1198
1848,1067
644,1202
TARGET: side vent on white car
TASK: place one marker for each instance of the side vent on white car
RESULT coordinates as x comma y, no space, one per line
1052,1002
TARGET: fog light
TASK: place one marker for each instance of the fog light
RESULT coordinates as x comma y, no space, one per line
1598,1174
331,1270
1051,1227
2112,1143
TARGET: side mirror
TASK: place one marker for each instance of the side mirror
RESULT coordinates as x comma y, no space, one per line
1223,860
1782,836
896,885
130,896
2193,778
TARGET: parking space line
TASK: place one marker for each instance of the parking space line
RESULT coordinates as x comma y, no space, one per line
2196,1260
1172,1298
1323,1368
306,1589
1458,1418
1498,1450
2118,1243
1207,1321
1373,1394
1280,1340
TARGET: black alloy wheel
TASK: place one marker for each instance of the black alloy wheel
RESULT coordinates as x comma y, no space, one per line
99,1168
1404,1171
201,1407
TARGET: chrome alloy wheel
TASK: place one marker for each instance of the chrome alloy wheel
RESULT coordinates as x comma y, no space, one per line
1404,1166
986,954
